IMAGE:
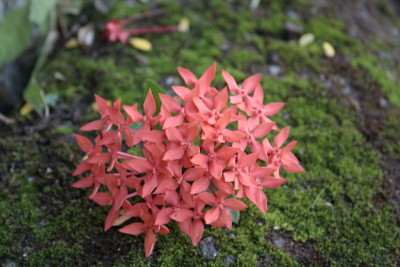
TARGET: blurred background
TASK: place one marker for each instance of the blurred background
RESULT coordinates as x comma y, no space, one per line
335,64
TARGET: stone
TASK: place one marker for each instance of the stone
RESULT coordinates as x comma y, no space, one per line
292,14
279,242
383,103
274,70
229,259
207,247
293,29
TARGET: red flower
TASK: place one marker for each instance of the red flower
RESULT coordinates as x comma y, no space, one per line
196,155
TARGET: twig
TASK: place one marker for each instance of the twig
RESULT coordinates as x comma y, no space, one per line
6,119
316,199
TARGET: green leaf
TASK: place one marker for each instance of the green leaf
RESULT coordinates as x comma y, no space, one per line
15,32
235,216
156,89
40,10
51,99
136,126
33,96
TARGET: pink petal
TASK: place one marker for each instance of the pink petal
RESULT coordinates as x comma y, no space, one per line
149,104
197,231
188,77
103,199
273,108
250,83
181,91
272,182
200,160
174,153
207,198
230,81
205,80
133,229
166,184
262,130
139,165
226,217
111,217
173,121
120,197
170,103
84,143
133,113
292,166
212,215
163,216
235,99
182,215
281,137
221,99
174,135
84,182
258,95
101,104
200,185
234,204
193,173
93,126
149,242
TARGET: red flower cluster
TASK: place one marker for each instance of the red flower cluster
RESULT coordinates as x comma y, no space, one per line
202,151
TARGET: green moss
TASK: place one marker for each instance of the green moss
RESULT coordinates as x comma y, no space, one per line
332,204
382,74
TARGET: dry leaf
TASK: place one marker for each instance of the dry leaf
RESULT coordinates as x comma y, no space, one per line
26,109
184,25
141,44
86,35
328,49
120,220
306,39
72,43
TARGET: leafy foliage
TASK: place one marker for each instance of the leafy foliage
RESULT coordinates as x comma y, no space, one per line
15,31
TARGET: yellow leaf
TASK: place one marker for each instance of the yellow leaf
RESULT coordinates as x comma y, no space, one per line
184,25
140,44
120,220
328,49
306,39
26,109
72,43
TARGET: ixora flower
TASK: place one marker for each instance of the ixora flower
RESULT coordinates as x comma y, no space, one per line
203,150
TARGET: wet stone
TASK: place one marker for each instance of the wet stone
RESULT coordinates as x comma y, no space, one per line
279,243
229,259
274,70
207,247
293,29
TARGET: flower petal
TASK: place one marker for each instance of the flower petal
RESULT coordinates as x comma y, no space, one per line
149,242
212,215
133,229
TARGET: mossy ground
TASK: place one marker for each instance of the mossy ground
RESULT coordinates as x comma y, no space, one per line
337,213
